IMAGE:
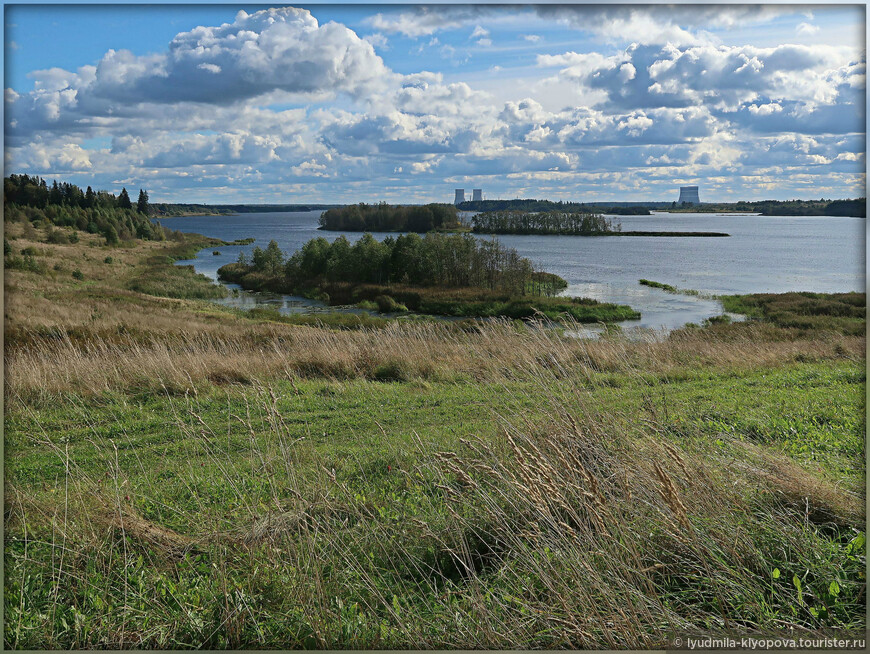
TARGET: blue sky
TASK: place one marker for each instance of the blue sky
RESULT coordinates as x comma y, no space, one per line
330,103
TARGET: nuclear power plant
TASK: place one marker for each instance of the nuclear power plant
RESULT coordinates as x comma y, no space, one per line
689,195
476,195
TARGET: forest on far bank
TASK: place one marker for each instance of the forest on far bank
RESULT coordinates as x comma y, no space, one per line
822,207
385,217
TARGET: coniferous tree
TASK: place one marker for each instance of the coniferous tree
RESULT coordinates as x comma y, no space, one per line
124,200
142,204
54,195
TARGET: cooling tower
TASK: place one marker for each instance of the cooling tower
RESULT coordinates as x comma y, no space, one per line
460,196
477,195
689,194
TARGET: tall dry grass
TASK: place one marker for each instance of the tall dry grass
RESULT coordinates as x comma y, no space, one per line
91,360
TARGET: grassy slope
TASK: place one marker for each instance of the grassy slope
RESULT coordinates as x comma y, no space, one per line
270,484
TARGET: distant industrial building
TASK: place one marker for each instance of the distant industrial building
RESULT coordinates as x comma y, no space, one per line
689,195
460,196
477,195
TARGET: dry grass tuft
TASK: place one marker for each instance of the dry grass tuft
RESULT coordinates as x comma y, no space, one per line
129,523
808,495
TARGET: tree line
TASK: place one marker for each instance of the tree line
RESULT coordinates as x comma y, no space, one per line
384,217
35,192
446,260
550,222
856,208
30,198
822,207
548,205
178,209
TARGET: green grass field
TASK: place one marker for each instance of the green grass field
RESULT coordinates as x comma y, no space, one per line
199,477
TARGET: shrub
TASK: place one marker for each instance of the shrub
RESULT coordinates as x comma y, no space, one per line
29,231
78,274
57,236
7,249
386,304
108,260
392,371
28,262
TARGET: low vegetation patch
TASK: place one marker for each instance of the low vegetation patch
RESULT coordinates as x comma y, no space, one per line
665,287
669,288
332,320
840,312
177,282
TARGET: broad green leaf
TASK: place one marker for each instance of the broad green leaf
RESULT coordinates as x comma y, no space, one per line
797,584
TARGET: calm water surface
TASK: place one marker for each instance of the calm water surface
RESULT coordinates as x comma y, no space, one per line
763,254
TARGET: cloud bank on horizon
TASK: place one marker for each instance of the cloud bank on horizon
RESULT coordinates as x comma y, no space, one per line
404,104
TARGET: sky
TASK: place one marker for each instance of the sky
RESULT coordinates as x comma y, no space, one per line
405,103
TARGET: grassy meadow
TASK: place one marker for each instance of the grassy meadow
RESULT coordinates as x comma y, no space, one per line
183,475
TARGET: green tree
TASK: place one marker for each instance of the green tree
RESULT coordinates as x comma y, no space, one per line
124,200
270,260
54,195
370,259
111,235
142,204
312,258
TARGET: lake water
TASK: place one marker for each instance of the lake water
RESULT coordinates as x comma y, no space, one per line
763,254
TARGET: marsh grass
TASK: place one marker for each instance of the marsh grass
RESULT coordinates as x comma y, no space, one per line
841,312
177,282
